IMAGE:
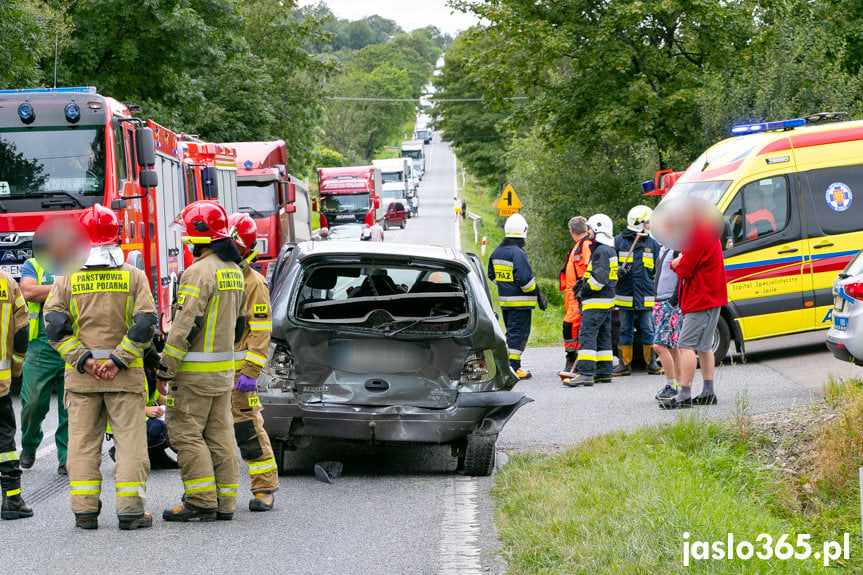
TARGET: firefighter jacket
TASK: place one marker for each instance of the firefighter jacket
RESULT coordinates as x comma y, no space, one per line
103,313
14,331
255,343
509,269
635,288
600,278
209,319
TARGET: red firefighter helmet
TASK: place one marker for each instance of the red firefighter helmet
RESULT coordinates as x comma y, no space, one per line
102,225
203,222
247,231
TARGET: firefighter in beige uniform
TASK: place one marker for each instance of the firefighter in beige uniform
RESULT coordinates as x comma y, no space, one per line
13,346
254,442
198,366
101,320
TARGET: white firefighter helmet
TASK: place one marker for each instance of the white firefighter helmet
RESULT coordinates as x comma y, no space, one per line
515,226
637,216
602,228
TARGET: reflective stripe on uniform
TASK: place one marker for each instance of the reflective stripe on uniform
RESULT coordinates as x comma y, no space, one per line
131,489
130,346
256,359
206,366
200,485
35,308
17,358
647,260
212,318
261,467
72,342
6,364
597,303
184,289
227,489
605,355
506,263
9,456
20,303
101,353
517,301
174,352
529,286
260,325
89,487
623,300
13,492
595,285
586,355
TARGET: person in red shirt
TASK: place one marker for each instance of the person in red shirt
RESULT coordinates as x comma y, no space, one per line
702,293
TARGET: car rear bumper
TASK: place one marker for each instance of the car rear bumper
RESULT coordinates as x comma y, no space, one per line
839,351
482,413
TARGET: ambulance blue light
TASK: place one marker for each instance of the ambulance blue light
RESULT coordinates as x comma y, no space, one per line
73,112
26,113
77,90
648,187
248,164
743,129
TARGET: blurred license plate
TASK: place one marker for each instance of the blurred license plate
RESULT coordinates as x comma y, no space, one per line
840,323
14,271
838,303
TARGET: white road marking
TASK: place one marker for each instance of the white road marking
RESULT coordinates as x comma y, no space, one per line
459,543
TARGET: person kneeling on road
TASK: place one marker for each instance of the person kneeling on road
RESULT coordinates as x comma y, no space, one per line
596,295
517,290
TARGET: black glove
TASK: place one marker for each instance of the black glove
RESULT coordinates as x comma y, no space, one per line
577,288
540,299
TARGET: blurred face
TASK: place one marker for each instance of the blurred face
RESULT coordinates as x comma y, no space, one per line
61,244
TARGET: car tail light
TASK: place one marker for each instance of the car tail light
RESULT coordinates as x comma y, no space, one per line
854,290
479,367
281,366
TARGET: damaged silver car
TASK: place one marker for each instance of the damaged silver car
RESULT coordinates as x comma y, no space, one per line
378,342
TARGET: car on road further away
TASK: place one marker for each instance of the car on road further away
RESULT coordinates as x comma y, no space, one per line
395,215
346,232
845,338
376,343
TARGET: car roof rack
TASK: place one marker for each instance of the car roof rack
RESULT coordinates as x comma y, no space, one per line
825,117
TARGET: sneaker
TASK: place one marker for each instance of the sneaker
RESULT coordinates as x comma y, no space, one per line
26,460
709,399
133,522
262,502
666,393
674,404
188,513
523,374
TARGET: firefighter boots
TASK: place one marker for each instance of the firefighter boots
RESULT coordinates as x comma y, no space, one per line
650,360
132,522
262,502
625,365
188,513
13,504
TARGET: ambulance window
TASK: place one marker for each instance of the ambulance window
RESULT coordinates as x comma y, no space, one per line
837,195
759,209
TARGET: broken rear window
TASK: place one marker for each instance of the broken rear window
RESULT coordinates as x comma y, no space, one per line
389,299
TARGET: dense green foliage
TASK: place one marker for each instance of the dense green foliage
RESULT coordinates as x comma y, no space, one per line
617,89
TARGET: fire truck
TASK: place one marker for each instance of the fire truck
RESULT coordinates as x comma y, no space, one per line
349,195
63,150
277,201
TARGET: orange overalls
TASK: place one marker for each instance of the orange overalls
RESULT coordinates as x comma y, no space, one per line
576,265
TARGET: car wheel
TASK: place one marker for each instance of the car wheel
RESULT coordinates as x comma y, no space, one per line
721,340
386,225
479,455
404,223
279,454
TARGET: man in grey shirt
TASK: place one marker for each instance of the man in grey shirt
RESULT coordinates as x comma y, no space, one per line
666,321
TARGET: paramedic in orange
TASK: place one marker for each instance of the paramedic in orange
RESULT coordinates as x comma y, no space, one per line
576,264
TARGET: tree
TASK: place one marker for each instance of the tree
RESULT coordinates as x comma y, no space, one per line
27,29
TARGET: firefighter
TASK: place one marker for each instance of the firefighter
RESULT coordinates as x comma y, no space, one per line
517,291
576,265
14,338
596,296
254,442
101,319
198,365
635,292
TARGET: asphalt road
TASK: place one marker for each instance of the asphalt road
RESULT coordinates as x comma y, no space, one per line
398,509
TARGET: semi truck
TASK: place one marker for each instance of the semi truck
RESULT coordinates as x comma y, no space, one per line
413,150
350,195
278,202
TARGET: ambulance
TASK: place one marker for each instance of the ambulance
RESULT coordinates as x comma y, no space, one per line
791,195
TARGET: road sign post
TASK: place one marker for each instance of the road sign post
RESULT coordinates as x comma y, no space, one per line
508,203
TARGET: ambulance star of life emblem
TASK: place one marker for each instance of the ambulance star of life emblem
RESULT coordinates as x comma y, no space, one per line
838,196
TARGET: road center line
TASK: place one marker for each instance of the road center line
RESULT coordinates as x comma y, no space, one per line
459,543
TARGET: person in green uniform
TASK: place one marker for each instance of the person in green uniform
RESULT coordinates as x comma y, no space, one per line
43,371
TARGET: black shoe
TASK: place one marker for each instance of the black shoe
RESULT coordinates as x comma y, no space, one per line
15,508
61,470
159,459
622,369
602,378
87,520
221,516
674,404
581,380
709,399
187,513
666,393
262,502
132,522
26,460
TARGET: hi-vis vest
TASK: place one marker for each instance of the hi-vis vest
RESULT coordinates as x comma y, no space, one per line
34,307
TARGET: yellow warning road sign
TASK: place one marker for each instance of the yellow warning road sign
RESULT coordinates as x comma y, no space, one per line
508,203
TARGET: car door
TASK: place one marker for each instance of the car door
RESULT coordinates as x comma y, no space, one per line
833,203
764,267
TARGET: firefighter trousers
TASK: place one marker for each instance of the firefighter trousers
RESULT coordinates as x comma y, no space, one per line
200,429
10,471
44,370
594,343
253,441
89,414
517,322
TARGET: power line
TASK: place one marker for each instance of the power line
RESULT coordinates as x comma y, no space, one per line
358,99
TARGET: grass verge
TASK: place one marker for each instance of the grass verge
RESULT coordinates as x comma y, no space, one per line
546,326
621,503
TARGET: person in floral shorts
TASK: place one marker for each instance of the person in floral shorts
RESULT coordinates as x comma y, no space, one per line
666,322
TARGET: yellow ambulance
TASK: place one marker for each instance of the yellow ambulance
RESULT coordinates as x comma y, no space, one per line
791,194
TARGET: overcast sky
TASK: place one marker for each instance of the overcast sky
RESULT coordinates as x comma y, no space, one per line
409,14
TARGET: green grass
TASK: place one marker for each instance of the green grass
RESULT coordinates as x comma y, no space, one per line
620,503
546,326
